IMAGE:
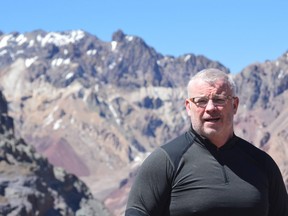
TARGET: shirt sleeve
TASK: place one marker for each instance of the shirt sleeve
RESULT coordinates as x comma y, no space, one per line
150,192
278,198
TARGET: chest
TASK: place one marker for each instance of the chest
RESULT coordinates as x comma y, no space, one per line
218,183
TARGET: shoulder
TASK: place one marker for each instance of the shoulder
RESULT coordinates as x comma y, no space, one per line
178,146
257,154
165,159
251,149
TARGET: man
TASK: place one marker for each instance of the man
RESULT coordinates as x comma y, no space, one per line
209,170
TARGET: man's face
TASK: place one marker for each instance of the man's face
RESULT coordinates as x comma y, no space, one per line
213,121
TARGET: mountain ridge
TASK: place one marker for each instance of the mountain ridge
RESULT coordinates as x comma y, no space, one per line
106,105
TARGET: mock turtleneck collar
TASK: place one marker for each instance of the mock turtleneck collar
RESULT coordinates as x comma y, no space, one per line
205,142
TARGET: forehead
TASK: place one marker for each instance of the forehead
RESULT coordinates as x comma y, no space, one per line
201,87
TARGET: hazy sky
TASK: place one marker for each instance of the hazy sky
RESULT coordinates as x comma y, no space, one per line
235,33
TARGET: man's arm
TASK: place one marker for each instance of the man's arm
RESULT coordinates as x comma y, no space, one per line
278,198
150,192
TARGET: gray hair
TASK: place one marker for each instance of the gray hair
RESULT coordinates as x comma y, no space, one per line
211,75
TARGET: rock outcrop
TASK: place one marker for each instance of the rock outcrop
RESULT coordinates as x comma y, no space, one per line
30,185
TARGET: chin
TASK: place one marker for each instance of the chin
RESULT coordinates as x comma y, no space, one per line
207,132
211,129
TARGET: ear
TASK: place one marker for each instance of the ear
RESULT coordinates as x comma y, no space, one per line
235,104
188,107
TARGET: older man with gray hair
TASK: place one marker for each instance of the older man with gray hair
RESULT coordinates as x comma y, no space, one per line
208,170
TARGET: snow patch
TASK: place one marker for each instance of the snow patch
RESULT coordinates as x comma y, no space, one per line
281,74
129,38
21,39
5,40
187,58
69,75
114,113
112,65
138,159
57,124
30,61
48,120
91,52
113,45
59,61
61,39
96,88
277,63
31,43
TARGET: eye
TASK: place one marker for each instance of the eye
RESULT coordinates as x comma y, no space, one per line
200,100
219,100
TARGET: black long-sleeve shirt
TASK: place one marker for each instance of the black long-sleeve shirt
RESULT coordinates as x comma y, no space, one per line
189,176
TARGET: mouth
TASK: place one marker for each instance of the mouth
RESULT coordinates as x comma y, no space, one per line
212,119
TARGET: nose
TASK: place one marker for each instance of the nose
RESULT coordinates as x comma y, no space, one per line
210,105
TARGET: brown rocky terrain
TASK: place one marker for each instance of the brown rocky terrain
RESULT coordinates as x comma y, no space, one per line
98,108
262,117
30,185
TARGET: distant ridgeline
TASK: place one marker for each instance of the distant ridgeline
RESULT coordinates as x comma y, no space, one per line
97,109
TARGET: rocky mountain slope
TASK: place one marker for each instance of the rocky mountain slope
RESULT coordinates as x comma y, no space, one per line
30,185
98,108
262,117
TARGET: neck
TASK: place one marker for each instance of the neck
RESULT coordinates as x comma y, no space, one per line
220,141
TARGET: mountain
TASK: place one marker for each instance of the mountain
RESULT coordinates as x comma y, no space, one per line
30,185
262,118
98,108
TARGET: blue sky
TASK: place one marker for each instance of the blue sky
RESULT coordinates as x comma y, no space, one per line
235,33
